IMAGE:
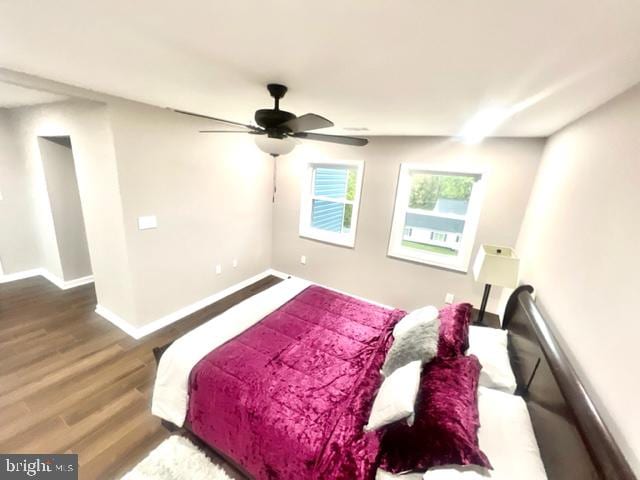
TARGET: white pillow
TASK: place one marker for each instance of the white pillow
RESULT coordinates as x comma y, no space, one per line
490,346
397,397
382,475
424,314
505,436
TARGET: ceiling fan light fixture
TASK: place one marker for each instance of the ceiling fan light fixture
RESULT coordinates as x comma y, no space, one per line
275,146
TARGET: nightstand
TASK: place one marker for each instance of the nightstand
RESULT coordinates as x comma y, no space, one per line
490,319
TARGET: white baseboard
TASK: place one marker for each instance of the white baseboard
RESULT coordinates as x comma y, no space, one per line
56,280
368,300
139,332
76,282
117,321
42,272
277,273
12,277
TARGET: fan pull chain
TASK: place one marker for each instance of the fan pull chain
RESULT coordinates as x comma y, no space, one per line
275,176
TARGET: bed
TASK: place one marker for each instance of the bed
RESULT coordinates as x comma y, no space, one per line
326,385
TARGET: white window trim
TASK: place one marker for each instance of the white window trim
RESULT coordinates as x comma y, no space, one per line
307,196
461,261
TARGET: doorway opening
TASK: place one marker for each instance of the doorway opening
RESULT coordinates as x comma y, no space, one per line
66,208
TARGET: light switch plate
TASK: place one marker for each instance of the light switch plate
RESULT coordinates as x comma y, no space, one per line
235,262
147,222
303,259
218,269
448,298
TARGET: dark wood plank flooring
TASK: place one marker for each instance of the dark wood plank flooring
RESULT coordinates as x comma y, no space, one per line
72,382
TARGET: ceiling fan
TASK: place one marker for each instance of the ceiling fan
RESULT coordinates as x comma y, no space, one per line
278,131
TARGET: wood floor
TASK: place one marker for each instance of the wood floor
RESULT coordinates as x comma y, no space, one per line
72,382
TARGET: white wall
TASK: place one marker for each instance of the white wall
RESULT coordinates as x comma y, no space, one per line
27,141
19,248
579,249
211,195
87,124
64,200
366,270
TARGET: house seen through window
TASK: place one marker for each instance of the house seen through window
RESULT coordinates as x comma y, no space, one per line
435,217
330,201
334,190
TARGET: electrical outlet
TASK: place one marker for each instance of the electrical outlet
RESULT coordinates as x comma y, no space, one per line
218,269
303,259
448,298
235,262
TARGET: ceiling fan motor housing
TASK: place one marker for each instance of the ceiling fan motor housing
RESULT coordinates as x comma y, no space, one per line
269,118
276,90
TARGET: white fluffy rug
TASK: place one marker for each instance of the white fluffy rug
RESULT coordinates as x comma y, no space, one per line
176,459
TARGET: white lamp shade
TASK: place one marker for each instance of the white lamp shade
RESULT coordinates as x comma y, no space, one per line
275,146
496,266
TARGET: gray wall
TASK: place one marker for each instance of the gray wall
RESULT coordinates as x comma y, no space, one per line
211,195
19,248
366,270
579,245
87,124
66,210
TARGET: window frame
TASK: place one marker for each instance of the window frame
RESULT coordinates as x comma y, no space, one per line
459,262
307,196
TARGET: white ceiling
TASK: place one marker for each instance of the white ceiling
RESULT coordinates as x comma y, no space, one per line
419,67
16,96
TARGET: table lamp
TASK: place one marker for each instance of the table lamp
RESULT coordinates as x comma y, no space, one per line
495,266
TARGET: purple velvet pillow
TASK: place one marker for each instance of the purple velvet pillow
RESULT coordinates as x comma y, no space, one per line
445,431
454,330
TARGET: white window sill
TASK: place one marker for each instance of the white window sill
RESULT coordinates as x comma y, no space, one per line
459,265
342,240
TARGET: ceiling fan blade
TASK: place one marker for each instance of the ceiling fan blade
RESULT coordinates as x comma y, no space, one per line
354,141
308,121
221,120
251,132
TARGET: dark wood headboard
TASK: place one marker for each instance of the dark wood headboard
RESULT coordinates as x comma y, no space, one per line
575,444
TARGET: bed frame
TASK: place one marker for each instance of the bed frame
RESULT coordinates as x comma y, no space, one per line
574,442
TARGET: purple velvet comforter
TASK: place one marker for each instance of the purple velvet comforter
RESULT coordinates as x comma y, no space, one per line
288,398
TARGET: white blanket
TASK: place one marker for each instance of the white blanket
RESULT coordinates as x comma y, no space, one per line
171,390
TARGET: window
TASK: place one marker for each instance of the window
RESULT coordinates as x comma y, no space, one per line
330,201
436,216
438,236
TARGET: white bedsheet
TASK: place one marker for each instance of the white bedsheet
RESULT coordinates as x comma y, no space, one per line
490,345
171,390
505,436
